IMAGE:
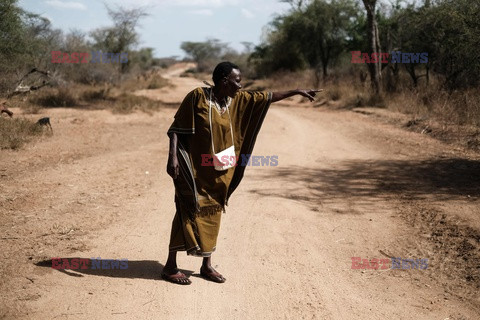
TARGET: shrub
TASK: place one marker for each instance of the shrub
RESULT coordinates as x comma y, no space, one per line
127,103
157,82
14,133
94,95
61,97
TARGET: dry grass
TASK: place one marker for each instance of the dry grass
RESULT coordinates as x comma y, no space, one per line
54,98
128,103
91,95
15,132
459,108
433,102
157,82
149,80
117,98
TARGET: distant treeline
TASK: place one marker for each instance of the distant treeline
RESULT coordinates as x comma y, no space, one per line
321,35
314,34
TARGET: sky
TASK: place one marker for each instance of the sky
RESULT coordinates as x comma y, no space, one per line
169,22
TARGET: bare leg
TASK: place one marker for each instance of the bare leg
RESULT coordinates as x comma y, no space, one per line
170,271
171,265
208,272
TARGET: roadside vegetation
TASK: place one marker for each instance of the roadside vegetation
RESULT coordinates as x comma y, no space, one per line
320,36
14,133
30,80
309,45
312,44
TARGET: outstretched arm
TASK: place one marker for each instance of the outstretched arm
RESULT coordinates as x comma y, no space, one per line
280,95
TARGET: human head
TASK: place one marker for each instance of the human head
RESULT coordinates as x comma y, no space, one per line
226,77
222,70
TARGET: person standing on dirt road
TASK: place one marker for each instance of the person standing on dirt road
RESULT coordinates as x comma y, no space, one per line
218,123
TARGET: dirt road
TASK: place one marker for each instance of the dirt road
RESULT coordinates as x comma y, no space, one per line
346,185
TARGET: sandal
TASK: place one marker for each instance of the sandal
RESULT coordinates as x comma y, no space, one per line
212,276
177,278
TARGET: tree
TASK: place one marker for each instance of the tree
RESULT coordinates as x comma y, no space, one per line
326,32
122,36
205,54
373,44
313,33
12,30
452,30
25,39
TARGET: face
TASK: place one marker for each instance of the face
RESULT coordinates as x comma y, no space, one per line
232,83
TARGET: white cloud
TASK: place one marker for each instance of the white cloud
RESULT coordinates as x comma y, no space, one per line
66,4
247,14
202,12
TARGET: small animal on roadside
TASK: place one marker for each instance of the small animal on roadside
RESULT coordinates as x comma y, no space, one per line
45,122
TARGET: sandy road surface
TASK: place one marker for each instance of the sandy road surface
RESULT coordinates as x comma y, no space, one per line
345,186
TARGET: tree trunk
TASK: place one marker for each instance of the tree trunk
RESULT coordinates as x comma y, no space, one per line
411,71
427,69
373,44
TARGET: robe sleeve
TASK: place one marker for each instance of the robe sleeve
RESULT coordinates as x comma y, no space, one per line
248,116
249,113
184,122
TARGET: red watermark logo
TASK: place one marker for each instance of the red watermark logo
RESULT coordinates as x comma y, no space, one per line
395,57
94,264
396,263
82,57
243,160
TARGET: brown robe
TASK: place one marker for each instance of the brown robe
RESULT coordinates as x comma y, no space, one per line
201,192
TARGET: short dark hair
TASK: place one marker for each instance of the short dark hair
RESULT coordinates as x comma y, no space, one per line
222,70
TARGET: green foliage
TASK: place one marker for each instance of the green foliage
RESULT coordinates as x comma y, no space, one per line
12,30
209,53
318,33
143,58
24,39
206,54
451,31
313,35
121,37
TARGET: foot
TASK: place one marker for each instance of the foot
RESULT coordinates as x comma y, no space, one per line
177,278
211,274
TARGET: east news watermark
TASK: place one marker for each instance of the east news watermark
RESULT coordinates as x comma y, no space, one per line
389,57
93,264
85,57
393,263
243,160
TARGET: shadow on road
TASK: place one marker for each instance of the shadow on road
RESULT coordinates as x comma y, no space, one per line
368,181
142,269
